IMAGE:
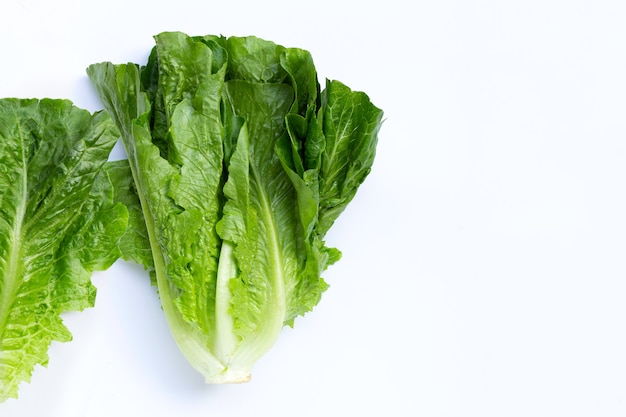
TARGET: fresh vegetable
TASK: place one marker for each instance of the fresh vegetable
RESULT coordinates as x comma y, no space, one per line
241,166
59,221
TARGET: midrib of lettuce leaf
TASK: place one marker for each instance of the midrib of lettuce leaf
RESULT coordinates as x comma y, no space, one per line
12,270
59,221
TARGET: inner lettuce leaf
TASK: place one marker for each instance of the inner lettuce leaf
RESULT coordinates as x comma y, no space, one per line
60,220
241,165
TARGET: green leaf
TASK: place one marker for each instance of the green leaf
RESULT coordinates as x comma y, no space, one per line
59,221
134,243
350,124
266,250
180,224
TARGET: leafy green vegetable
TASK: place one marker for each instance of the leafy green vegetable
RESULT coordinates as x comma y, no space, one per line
134,244
59,221
241,166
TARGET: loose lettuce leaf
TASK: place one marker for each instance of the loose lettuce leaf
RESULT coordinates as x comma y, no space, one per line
59,221
241,165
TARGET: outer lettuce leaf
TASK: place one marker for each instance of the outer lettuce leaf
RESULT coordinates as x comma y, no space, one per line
241,165
59,221
350,123
180,242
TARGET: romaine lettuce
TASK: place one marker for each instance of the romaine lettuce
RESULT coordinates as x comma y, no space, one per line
241,166
59,221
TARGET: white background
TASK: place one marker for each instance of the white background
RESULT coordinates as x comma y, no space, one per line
484,258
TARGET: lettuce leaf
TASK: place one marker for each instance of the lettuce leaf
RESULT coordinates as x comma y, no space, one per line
241,165
59,221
